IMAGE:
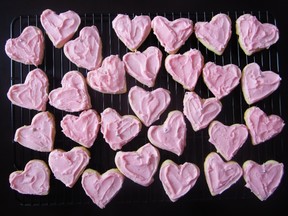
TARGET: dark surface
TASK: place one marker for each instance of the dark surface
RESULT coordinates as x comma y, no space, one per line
210,205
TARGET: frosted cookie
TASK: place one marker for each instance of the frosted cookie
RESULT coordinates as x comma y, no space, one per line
185,68
60,28
220,175
132,32
118,130
221,80
170,136
33,93
33,180
214,35
28,47
39,135
257,84
255,36
172,35
262,127
73,96
67,166
110,77
82,129
263,179
86,50
139,166
200,112
178,180
148,105
102,188
144,66
227,139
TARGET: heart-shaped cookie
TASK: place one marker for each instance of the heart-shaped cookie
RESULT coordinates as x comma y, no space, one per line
33,93
172,34
227,139
67,166
132,32
255,36
102,188
40,135
221,80
110,77
60,28
262,127
263,179
170,136
185,68
200,112
86,50
257,84
144,66
178,180
73,96
148,105
33,180
118,130
139,166
82,129
28,48
214,35
220,175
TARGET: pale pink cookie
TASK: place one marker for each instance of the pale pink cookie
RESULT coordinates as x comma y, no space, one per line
28,47
86,50
170,136
257,84
33,180
60,28
73,96
39,135
82,129
227,139
255,36
178,180
148,105
67,166
110,77
262,127
214,35
118,130
33,93
139,166
185,68
220,175
102,188
172,35
221,80
132,32
200,112
144,66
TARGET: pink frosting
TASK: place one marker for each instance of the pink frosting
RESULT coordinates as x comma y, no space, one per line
40,135
139,166
28,48
110,78
118,130
102,188
170,136
263,179
60,28
33,180
185,68
33,93
144,66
